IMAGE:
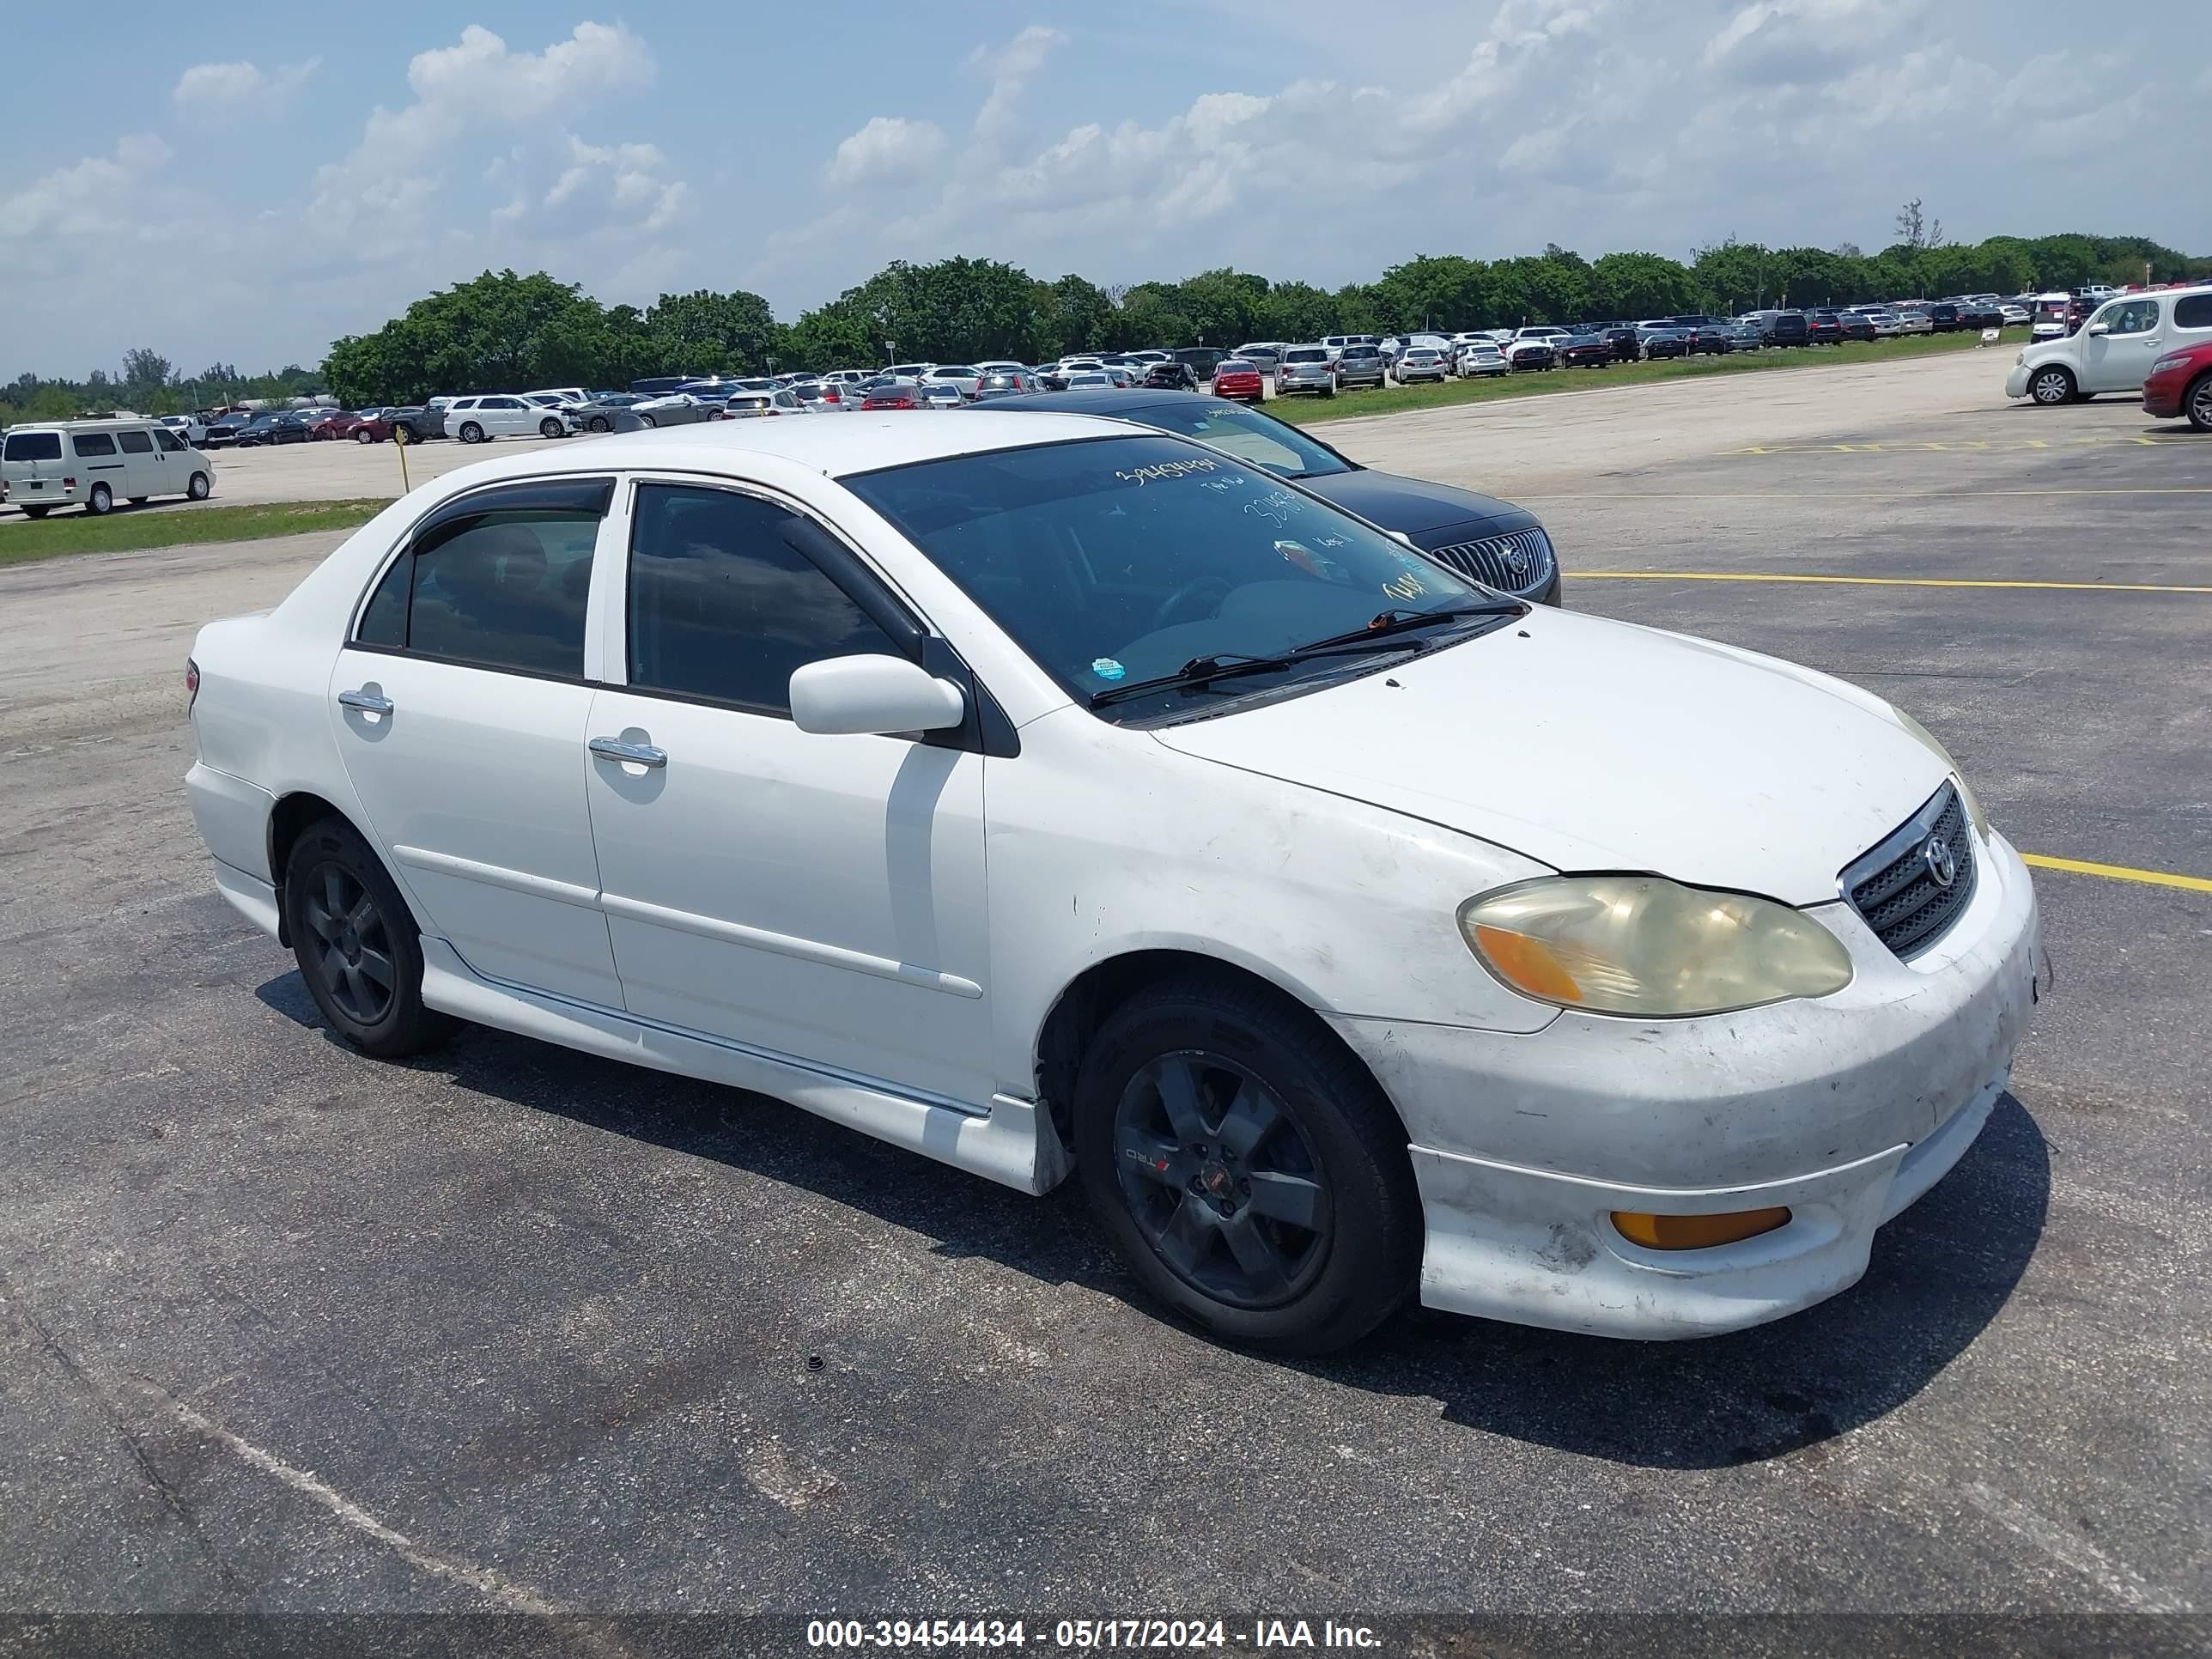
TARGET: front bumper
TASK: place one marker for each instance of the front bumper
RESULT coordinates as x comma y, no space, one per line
1843,1110
2016,382
2162,397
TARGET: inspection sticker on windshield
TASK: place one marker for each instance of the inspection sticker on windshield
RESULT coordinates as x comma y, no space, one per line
1106,668
1141,476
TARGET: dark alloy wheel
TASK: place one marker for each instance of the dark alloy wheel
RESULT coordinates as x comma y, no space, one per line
601,423
1246,1165
357,944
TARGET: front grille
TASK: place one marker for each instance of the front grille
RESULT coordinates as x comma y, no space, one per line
1894,888
1520,562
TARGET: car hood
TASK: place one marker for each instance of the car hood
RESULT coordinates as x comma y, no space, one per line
1590,745
1417,507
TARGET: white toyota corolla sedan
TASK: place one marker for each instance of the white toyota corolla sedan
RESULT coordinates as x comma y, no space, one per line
1041,794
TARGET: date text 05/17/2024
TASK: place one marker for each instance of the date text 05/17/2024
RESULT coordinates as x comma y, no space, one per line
1088,1635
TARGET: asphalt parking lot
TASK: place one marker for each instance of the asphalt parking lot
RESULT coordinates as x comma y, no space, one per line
511,1328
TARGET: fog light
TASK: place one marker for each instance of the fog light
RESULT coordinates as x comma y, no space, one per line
1695,1233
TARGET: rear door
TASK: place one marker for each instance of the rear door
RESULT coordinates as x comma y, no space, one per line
460,704
33,465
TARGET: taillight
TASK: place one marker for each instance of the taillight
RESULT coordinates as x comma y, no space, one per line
69,483
191,683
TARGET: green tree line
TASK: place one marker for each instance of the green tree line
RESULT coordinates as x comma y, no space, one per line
501,331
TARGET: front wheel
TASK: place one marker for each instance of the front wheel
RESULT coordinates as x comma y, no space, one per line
550,428
2051,386
357,944
2196,404
199,488
1247,1167
600,424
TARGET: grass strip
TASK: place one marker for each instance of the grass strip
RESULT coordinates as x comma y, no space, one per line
130,530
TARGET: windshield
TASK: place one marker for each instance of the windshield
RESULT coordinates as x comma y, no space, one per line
1115,560
1260,440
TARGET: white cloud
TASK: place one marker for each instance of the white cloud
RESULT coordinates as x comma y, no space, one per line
890,149
236,91
89,198
379,195
1010,68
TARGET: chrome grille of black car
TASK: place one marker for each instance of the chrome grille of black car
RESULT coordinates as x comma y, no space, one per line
1519,563
1894,886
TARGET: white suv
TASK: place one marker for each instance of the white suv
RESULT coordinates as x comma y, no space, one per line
2114,349
473,420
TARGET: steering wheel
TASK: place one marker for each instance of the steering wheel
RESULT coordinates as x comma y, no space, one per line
1171,607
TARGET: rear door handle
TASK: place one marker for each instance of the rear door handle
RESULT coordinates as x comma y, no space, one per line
635,754
368,702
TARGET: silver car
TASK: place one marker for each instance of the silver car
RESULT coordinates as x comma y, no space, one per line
1421,363
1360,363
1305,368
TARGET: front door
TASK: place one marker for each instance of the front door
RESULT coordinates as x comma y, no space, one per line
2119,360
141,464
821,898
461,709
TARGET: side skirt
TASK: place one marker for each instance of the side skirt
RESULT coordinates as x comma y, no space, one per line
1014,1143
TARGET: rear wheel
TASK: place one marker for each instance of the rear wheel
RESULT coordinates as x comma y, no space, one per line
471,433
648,419
361,435
100,502
2197,403
1246,1166
2053,386
357,944
36,512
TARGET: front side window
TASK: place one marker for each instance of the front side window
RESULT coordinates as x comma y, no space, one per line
502,584
2131,317
135,443
168,440
92,443
1124,559
722,607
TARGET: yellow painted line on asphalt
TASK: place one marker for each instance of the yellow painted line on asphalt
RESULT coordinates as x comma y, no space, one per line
1867,582
2119,872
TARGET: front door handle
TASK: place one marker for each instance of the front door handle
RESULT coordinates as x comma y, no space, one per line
635,754
368,702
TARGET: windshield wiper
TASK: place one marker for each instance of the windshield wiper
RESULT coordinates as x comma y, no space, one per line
1224,665
1398,619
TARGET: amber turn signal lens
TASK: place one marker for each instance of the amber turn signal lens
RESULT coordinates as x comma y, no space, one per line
1695,1233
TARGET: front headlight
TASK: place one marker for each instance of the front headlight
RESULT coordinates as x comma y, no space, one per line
1927,738
2164,363
1643,945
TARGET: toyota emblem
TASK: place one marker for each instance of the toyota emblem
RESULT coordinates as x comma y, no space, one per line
1942,863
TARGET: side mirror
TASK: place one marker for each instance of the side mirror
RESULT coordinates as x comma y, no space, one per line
843,697
2099,329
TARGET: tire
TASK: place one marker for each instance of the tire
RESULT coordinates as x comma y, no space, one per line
1225,1058
361,435
36,512
344,916
2197,403
200,488
550,428
101,501
471,433
601,423
648,422
2053,386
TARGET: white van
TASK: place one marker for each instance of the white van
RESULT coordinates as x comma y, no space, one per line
2116,347
93,464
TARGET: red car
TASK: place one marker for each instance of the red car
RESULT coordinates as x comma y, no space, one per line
362,428
1235,379
2180,386
904,395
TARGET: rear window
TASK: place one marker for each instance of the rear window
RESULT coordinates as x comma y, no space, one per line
93,443
2193,311
1315,356
34,446
1234,366
1360,351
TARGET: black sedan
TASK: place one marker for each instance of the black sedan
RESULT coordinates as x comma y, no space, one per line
1587,351
1857,326
267,428
1665,342
1711,339
1493,542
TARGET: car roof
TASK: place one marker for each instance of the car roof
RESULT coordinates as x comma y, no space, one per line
837,448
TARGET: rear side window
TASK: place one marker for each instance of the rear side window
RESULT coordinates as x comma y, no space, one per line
135,443
722,607
34,446
501,581
2193,311
92,443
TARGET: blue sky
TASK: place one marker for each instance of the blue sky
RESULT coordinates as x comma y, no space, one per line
260,178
